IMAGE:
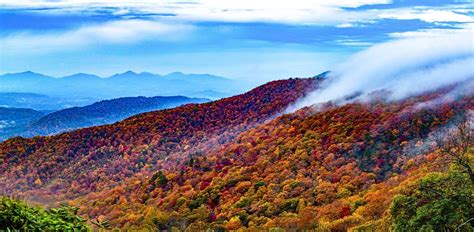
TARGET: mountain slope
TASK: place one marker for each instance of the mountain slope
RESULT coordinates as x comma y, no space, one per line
19,114
14,120
65,158
283,172
103,112
236,163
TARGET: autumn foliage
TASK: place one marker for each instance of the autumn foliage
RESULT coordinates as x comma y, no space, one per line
238,162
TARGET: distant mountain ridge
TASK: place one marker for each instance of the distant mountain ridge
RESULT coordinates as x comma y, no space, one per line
28,122
40,102
125,84
104,112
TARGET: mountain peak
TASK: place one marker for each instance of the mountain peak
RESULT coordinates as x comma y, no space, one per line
126,74
175,74
129,72
26,74
81,75
188,76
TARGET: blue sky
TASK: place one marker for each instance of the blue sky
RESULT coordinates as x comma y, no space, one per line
245,39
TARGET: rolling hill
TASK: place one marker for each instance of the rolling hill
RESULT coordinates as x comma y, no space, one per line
99,113
103,112
240,163
15,120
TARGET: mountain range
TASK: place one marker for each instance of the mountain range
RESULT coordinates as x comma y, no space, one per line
128,84
242,163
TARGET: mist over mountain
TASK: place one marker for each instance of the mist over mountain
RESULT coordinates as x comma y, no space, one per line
402,68
41,102
125,84
15,120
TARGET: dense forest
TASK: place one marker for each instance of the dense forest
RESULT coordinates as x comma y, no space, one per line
240,163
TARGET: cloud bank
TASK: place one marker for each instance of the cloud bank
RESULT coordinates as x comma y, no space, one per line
404,68
110,33
269,11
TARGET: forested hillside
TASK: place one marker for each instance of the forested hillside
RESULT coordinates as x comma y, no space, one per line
335,170
239,163
103,112
73,156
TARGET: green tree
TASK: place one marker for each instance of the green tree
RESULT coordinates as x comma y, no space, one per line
441,202
159,179
17,215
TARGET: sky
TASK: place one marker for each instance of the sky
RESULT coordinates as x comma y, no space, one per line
253,40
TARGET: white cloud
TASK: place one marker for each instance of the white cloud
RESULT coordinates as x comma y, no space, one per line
404,67
428,15
290,12
352,42
299,11
209,4
346,25
431,78
468,28
115,32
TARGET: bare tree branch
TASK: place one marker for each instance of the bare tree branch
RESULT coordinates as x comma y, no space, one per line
456,144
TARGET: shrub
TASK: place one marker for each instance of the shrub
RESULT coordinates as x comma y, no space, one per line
17,215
